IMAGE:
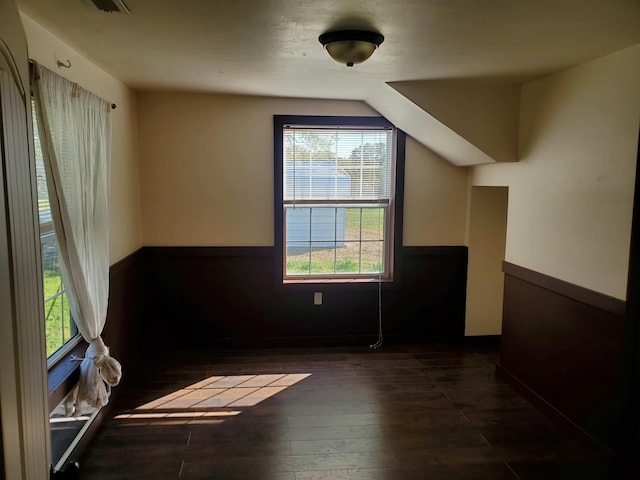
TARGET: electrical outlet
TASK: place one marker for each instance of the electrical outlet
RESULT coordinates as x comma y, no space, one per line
317,298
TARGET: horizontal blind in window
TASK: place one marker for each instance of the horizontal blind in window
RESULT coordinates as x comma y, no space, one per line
44,209
326,164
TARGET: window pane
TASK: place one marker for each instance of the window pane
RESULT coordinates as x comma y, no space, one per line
352,224
59,327
326,224
57,323
44,211
298,264
358,247
337,164
348,258
50,264
373,257
298,227
373,221
70,329
323,258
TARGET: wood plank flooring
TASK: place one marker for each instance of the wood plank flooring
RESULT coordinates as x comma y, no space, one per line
413,412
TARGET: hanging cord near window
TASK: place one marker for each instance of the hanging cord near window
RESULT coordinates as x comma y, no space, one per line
380,336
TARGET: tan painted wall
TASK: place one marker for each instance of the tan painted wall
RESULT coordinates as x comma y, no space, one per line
125,228
13,35
207,171
484,113
485,280
435,199
571,193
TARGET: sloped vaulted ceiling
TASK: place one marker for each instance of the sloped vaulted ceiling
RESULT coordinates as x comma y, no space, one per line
482,113
447,73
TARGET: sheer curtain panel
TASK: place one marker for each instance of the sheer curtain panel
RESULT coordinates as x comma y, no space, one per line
75,134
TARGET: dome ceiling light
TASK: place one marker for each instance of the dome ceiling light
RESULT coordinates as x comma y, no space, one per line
351,47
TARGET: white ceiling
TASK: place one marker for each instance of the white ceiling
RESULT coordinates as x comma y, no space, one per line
270,47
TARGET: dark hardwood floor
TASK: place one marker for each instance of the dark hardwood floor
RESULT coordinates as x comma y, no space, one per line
412,412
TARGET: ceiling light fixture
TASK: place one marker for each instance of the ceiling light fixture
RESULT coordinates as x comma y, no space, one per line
351,47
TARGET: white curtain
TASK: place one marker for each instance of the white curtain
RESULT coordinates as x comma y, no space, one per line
75,132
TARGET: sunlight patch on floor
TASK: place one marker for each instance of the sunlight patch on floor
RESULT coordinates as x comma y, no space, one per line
226,391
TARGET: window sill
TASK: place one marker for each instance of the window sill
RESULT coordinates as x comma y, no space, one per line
303,285
63,375
322,281
63,351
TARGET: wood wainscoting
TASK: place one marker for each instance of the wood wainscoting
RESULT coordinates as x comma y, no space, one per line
122,334
123,331
232,294
562,346
203,296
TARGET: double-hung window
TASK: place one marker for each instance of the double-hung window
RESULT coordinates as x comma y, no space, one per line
336,197
59,326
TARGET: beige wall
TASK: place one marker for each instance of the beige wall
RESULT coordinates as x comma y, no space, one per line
207,171
485,280
125,227
435,199
570,196
482,112
14,38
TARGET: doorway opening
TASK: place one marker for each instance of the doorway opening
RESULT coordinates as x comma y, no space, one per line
487,243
